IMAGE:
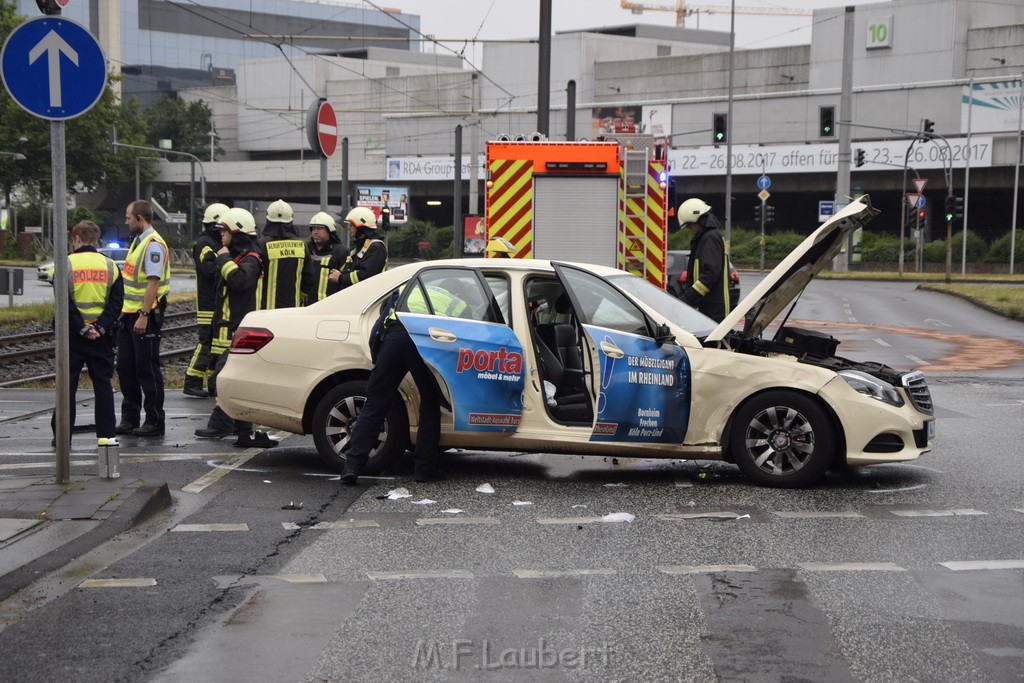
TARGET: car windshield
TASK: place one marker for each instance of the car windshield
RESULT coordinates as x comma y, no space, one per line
673,309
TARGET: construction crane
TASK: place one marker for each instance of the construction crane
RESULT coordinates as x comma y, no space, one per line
684,9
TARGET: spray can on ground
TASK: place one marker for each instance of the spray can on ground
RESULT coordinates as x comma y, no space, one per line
107,458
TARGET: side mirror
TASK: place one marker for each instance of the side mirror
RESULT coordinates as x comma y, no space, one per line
663,335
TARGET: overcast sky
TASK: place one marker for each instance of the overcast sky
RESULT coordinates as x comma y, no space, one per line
500,19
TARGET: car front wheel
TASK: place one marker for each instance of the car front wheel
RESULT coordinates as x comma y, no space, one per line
782,439
334,418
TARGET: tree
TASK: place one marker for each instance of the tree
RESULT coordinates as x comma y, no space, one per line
186,124
88,157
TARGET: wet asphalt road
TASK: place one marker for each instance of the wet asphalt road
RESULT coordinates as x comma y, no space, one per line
896,572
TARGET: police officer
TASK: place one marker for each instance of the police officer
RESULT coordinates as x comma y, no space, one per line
394,356
707,284
239,269
327,255
147,280
97,294
369,255
204,257
284,257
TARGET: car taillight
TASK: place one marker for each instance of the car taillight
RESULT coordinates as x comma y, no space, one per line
734,277
682,276
250,339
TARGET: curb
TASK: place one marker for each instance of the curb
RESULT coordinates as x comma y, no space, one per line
144,503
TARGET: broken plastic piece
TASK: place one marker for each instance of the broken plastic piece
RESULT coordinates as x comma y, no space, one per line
618,517
452,511
399,493
485,488
425,501
522,502
292,506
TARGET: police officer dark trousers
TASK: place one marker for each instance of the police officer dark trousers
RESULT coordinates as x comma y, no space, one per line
147,280
97,293
394,356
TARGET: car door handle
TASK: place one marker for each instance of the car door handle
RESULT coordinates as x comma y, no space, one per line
611,350
438,334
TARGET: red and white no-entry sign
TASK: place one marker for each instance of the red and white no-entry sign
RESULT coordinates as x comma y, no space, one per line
327,129
322,127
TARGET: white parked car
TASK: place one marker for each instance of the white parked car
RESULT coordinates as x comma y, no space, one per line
584,359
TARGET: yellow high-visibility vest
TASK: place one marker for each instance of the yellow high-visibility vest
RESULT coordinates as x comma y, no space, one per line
135,278
91,275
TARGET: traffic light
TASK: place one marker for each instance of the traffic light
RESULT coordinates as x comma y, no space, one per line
922,217
958,207
928,126
909,214
858,157
720,128
950,208
757,212
385,218
49,7
826,122
769,213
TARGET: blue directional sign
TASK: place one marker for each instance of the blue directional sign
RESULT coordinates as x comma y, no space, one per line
764,182
53,68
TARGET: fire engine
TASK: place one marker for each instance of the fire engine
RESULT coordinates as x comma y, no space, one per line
603,202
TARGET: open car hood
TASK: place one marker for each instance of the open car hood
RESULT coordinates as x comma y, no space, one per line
781,286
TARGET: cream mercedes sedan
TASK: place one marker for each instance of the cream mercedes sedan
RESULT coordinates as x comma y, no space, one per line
583,359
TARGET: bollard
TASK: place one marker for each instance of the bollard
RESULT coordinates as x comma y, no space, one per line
107,459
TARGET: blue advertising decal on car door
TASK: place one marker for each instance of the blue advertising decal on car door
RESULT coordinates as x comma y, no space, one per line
644,391
481,362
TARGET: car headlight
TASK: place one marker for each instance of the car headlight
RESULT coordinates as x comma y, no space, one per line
872,386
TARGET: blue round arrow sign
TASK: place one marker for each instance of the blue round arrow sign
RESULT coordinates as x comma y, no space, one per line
53,68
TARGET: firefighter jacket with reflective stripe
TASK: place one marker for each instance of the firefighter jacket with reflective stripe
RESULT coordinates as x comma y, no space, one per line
204,256
284,262
135,278
238,284
316,283
369,259
96,290
707,276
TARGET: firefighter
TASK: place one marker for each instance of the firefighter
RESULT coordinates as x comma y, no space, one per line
147,280
285,257
707,281
369,255
97,294
239,268
204,257
326,258
499,247
394,355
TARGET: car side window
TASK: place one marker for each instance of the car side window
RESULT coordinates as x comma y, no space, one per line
603,305
498,282
451,292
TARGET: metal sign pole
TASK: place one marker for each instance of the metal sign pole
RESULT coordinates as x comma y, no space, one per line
323,183
61,303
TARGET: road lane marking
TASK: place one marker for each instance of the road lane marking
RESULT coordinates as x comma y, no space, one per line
704,568
983,564
795,514
683,516
560,573
221,470
915,360
937,513
421,574
882,342
431,521
340,524
230,580
117,583
568,520
212,527
850,567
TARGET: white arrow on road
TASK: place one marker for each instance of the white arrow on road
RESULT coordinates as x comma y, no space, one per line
52,44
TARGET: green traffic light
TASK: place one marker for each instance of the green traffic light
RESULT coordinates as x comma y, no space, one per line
828,130
719,136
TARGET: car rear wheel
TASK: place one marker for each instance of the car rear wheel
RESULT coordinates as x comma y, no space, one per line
334,418
782,439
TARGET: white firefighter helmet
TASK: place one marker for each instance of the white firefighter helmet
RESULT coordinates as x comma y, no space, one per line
279,212
324,220
238,220
691,210
362,217
214,212
500,245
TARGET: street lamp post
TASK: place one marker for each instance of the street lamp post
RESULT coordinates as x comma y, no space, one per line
17,156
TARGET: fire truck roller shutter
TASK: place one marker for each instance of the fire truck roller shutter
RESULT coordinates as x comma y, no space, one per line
576,218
